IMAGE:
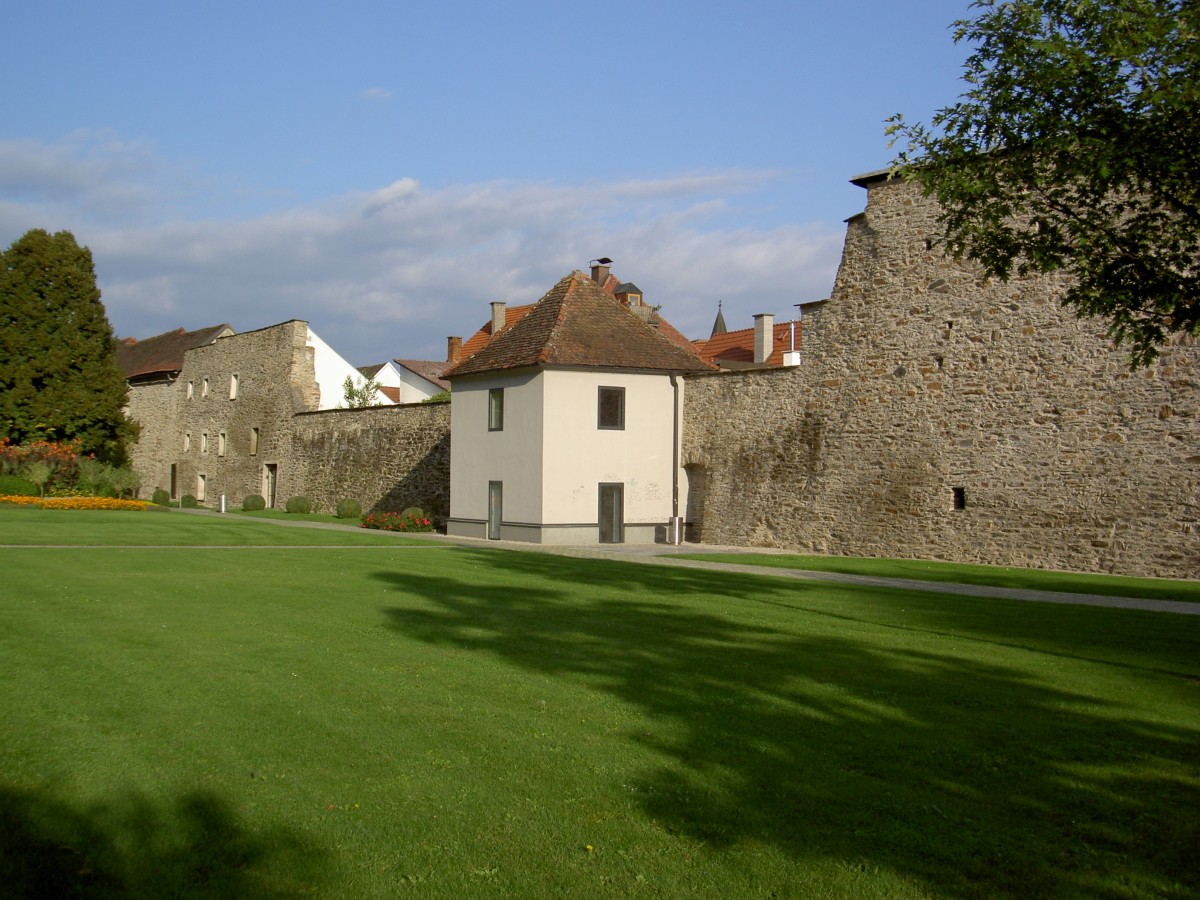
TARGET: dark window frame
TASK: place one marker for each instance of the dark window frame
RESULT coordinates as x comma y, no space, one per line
495,409
610,423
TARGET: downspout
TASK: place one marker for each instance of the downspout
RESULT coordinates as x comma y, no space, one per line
675,531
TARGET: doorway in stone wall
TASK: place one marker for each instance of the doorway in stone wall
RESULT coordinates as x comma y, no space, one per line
697,485
270,480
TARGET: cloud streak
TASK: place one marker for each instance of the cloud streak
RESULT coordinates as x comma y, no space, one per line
393,271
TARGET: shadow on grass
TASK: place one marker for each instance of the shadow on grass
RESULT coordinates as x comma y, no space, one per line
50,847
884,737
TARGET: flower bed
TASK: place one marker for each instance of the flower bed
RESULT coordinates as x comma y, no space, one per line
78,503
396,522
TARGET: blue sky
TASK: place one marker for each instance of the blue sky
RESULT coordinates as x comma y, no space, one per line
385,170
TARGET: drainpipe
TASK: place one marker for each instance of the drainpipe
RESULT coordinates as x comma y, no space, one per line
675,530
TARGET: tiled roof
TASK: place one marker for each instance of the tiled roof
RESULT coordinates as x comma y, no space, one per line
163,353
429,369
483,337
738,346
577,324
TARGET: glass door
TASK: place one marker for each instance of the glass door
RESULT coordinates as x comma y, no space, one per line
495,509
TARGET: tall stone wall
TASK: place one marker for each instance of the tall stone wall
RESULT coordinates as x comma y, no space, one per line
385,457
228,438
939,415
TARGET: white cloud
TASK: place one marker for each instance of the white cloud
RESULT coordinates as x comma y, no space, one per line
392,272
377,94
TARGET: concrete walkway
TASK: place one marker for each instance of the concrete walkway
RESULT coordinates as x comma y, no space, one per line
665,555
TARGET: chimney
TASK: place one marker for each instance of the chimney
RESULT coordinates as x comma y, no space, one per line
600,269
497,317
453,349
764,333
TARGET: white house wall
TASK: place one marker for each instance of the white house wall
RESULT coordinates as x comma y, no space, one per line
332,371
511,456
579,456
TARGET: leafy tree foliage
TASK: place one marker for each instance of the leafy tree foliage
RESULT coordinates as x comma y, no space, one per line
1076,147
360,395
58,374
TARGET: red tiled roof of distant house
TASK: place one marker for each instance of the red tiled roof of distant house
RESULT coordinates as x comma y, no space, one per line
163,353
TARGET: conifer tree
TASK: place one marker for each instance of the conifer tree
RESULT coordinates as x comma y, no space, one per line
58,373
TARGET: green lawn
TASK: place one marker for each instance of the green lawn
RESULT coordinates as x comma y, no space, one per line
966,573
375,716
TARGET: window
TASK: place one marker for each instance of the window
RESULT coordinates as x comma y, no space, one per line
191,389
201,486
960,497
221,444
204,442
612,513
253,441
233,386
611,408
204,388
187,442
496,409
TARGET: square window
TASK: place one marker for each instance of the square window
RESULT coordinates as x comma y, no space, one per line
233,386
611,408
496,409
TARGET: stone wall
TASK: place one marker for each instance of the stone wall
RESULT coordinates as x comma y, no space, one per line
385,457
208,431
239,441
937,415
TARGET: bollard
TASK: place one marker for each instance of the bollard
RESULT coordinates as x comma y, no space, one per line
222,503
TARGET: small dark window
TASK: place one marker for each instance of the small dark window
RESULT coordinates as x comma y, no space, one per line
611,408
496,409
960,498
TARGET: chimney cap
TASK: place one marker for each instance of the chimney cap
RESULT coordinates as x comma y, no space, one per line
602,261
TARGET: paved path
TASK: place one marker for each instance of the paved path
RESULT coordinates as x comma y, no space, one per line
664,555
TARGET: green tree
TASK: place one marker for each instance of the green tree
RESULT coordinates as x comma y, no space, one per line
359,396
58,374
1075,148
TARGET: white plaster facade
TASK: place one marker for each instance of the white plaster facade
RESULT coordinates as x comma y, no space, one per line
551,455
332,371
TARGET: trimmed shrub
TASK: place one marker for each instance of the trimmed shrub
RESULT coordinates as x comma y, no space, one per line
254,502
16,486
189,502
414,512
160,497
349,509
298,505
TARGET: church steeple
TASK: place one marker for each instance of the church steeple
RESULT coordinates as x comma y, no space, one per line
719,324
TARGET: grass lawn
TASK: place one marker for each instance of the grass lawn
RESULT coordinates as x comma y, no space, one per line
966,573
375,716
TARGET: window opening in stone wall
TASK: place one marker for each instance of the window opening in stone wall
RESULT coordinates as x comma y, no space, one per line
204,442
221,444
233,386
187,442
960,497
496,409
611,408
253,441
928,244
201,486
940,360
174,481
204,388
191,389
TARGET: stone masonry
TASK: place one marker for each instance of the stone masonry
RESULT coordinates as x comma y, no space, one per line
938,415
